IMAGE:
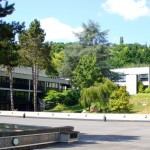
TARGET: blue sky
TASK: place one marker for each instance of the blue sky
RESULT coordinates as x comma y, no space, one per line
60,18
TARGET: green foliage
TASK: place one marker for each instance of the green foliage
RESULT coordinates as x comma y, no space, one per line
126,55
57,47
69,98
88,95
7,9
140,87
100,92
8,46
47,60
64,108
147,90
86,72
57,60
91,41
91,34
53,98
140,103
72,55
59,108
103,92
119,101
31,42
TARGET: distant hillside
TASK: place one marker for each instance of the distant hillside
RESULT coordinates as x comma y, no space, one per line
141,103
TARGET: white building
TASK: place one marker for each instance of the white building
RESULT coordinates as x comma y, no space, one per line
130,77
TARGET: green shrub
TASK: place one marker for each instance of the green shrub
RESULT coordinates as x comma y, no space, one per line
71,97
59,108
147,90
119,101
140,87
53,98
68,97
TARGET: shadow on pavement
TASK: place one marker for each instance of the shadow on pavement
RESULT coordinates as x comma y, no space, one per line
86,139
107,138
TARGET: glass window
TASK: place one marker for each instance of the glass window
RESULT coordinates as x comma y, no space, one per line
143,77
122,78
20,83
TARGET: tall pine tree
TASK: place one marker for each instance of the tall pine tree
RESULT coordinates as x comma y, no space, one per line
8,45
31,42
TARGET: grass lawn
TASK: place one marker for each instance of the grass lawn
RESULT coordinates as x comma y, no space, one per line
63,108
141,103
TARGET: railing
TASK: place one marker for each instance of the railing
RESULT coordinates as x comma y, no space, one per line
41,104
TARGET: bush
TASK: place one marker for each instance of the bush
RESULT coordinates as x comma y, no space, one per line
59,108
147,90
53,98
119,101
71,97
140,87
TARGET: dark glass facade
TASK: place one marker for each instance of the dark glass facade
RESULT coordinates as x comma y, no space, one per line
20,83
4,82
23,92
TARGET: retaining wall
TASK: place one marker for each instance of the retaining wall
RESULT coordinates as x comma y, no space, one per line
85,116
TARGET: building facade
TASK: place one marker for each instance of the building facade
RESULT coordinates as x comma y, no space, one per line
23,87
129,77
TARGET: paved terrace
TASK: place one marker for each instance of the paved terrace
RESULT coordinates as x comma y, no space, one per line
95,134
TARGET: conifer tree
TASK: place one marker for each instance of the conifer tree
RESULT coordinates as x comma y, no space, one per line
8,45
32,47
6,9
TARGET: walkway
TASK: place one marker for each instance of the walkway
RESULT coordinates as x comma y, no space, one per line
95,135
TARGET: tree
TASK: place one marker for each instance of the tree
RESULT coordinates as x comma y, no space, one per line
31,42
8,45
46,60
7,9
91,40
88,95
9,50
57,60
100,92
91,34
86,72
72,55
127,55
103,91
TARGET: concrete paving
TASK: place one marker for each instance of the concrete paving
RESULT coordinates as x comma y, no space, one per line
95,135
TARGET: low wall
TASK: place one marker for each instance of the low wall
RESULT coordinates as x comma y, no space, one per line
85,116
14,136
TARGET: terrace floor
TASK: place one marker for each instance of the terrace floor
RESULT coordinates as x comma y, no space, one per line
95,135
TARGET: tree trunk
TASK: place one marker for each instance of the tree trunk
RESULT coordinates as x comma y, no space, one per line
34,88
11,87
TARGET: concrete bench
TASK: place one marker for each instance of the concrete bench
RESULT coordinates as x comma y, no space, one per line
70,136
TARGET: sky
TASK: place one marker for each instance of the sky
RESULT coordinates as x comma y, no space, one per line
129,19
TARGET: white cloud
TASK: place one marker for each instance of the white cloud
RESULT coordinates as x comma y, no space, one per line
58,31
129,9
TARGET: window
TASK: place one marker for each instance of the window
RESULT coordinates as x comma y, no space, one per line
4,82
143,77
20,83
4,95
122,78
